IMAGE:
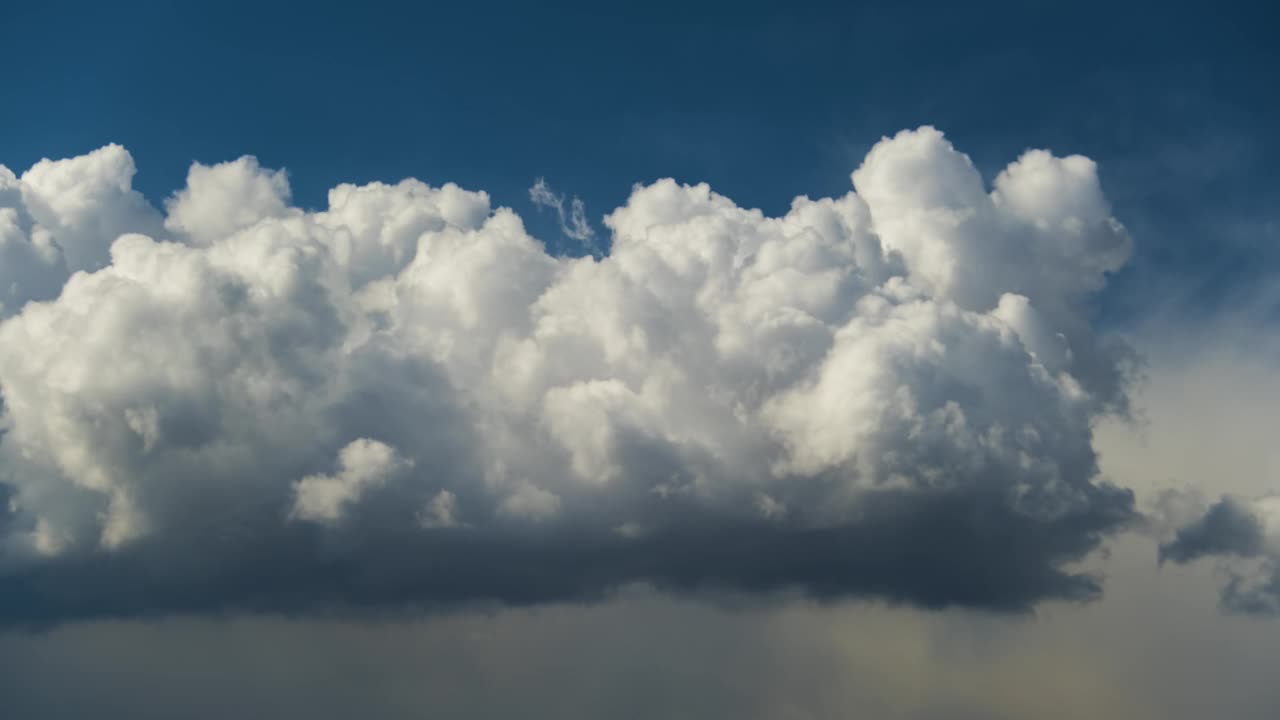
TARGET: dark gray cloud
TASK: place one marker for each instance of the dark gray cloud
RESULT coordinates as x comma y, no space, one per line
1228,527
1254,594
932,550
1244,535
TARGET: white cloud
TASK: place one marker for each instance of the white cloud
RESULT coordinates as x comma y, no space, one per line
86,203
922,336
31,263
224,198
364,464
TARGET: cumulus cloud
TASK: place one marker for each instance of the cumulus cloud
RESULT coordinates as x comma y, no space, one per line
1245,536
404,400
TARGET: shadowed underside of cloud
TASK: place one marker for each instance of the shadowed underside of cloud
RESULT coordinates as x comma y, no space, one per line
935,552
404,401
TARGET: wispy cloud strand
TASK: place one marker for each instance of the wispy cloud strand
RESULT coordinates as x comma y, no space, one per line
573,223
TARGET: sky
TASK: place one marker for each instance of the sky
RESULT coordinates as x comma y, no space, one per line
662,360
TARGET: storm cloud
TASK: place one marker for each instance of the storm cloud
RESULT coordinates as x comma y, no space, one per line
403,401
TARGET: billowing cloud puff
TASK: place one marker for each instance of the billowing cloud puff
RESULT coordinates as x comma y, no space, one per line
222,199
365,464
1245,536
86,202
404,400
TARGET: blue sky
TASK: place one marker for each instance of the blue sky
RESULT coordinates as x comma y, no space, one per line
1176,101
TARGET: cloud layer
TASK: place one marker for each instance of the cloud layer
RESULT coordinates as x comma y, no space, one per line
404,400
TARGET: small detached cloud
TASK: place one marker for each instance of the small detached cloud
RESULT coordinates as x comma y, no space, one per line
403,400
573,222
1244,535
